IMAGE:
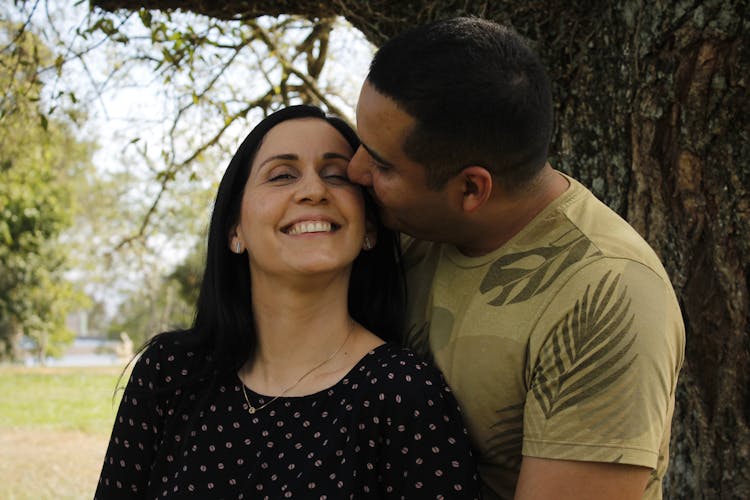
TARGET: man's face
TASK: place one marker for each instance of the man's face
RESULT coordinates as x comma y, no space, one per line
398,183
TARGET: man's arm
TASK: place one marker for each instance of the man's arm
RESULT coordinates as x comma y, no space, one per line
543,479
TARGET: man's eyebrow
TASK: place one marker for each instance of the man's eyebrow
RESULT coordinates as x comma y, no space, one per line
376,156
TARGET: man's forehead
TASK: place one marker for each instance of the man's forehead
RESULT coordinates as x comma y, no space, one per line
367,102
371,100
380,116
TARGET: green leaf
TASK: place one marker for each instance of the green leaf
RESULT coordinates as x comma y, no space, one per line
59,64
145,16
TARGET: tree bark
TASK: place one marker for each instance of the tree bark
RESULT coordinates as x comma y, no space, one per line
652,114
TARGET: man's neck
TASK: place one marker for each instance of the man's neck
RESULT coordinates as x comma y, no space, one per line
506,214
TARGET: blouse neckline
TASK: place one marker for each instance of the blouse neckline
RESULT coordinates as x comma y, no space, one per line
382,347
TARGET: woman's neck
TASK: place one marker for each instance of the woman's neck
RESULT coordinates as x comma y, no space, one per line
298,327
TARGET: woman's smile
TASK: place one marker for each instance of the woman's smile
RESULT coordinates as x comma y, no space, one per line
300,213
310,226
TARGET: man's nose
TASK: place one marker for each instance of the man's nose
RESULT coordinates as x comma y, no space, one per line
358,169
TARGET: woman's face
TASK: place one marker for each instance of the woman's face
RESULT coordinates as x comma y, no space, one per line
299,213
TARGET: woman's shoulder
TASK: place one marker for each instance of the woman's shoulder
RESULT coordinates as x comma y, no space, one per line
395,356
398,385
167,360
396,369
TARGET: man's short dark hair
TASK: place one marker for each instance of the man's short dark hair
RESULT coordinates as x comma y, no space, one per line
479,96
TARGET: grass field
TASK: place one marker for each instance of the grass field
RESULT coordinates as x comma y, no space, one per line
54,428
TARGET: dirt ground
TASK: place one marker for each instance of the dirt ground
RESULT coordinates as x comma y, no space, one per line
43,464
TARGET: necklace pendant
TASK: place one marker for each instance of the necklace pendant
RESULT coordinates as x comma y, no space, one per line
251,410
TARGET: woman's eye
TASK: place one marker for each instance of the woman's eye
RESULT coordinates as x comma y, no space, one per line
281,177
335,174
338,178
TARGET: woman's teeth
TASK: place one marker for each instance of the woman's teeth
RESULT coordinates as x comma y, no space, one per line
310,227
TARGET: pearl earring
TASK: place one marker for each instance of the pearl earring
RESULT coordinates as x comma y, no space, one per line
367,245
237,247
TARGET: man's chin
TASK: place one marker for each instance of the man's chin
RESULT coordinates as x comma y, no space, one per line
395,224
389,221
398,226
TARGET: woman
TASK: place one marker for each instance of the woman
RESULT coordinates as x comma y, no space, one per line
284,386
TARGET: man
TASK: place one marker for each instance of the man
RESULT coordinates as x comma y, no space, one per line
551,318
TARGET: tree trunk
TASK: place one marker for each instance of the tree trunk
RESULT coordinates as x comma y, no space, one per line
652,114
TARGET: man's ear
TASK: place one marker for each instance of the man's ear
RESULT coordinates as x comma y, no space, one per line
477,187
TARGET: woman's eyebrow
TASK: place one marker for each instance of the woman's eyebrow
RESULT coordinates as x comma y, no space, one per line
329,156
294,157
286,156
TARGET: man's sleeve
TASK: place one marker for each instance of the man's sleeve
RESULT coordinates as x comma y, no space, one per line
608,350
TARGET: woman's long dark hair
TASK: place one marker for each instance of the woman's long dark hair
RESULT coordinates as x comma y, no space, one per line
224,327
223,337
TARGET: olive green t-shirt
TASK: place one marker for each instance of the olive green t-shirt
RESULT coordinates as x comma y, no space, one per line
565,343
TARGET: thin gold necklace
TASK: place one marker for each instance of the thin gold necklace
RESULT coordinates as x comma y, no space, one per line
251,409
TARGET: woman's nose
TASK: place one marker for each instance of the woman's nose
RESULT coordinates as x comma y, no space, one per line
312,188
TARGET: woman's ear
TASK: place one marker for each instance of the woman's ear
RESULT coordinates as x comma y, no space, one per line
235,242
371,235
477,187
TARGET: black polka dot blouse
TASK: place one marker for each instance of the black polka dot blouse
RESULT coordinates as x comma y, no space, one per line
390,429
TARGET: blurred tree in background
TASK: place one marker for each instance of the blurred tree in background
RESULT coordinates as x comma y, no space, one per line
170,96
41,167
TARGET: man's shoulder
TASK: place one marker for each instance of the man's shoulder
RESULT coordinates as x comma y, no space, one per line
574,231
613,236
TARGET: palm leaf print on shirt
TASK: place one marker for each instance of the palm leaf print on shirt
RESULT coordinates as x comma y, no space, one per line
507,434
532,271
590,347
